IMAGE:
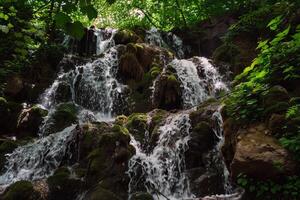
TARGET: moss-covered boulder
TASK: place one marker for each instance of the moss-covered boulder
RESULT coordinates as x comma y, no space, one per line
64,115
130,68
63,93
141,196
21,190
62,186
137,125
30,120
127,36
168,92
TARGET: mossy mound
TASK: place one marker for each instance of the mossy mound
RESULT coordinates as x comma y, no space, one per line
21,190
137,125
62,187
64,116
126,36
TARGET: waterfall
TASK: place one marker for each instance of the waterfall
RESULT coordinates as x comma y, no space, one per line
98,95
38,159
199,80
163,168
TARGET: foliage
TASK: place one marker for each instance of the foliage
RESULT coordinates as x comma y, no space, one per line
268,189
276,63
166,14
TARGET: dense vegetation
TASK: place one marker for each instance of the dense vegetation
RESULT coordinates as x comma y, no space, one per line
31,29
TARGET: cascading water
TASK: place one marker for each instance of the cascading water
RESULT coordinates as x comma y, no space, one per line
199,80
94,89
163,169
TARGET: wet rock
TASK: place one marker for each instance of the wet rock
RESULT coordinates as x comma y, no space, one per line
204,182
64,116
130,67
137,125
69,62
141,196
63,93
103,154
168,92
30,120
21,190
62,186
260,156
103,194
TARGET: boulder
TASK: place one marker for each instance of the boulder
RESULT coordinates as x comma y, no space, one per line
260,156
127,36
30,120
167,93
138,125
63,93
6,146
62,186
64,116
21,190
276,123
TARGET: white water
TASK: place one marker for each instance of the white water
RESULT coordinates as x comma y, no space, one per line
199,80
163,168
95,91
38,159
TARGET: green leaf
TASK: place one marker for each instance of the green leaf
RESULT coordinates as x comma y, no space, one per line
62,19
75,29
90,11
274,23
69,8
280,36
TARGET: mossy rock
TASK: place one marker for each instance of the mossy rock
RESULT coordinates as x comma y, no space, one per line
141,196
121,120
102,194
126,36
137,125
21,190
120,129
295,101
64,116
62,187
39,111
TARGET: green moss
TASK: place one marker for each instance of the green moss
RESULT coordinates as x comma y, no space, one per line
64,116
155,71
38,110
172,78
121,120
120,129
2,101
21,190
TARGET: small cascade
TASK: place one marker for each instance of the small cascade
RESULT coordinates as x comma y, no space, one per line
97,94
199,80
104,39
162,170
37,160
165,40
